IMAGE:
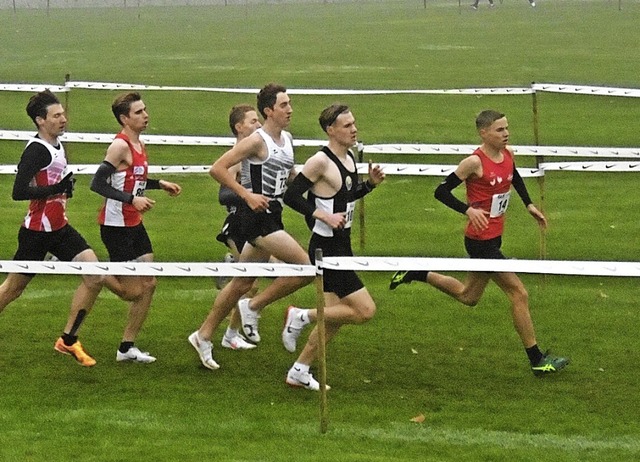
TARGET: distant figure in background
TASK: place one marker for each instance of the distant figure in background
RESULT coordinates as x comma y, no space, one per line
475,4
488,175
122,180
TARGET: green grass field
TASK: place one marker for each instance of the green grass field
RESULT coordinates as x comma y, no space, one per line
423,354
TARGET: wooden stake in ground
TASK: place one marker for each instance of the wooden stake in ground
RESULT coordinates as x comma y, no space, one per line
322,352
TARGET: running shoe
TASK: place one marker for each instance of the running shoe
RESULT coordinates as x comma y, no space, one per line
302,379
549,364
397,279
205,351
293,325
237,342
76,350
249,320
135,355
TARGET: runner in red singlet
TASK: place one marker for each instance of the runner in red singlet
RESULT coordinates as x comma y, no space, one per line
489,174
122,179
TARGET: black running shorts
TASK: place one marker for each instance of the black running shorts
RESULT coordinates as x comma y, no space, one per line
341,283
125,243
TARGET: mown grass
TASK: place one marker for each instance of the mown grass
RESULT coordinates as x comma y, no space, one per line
463,369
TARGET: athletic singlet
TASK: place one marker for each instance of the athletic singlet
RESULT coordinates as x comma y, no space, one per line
48,214
269,177
342,201
491,192
132,180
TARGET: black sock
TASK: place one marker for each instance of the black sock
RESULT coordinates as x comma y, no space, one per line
534,354
420,276
69,339
125,346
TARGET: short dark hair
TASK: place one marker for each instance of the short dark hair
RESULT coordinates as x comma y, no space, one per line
38,104
487,117
237,115
268,95
122,104
329,114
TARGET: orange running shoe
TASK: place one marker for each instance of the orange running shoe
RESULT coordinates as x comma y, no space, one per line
76,350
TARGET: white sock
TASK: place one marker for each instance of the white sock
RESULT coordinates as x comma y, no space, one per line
230,333
304,317
301,367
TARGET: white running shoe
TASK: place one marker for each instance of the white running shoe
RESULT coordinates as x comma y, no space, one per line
205,351
303,379
293,325
135,355
237,342
249,320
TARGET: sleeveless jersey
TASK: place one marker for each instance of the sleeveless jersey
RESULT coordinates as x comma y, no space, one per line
491,192
48,214
342,201
269,177
132,180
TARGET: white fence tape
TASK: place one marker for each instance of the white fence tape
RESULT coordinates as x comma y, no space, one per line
171,140
294,91
586,90
32,88
535,87
389,169
449,149
467,149
557,267
591,166
578,268
157,268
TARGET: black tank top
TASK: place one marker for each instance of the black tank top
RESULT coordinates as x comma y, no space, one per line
342,201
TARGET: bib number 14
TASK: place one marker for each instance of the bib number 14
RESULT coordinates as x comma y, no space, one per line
499,204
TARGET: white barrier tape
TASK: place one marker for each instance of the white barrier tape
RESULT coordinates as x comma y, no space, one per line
157,268
591,166
389,169
586,90
171,140
467,149
542,87
32,88
557,267
454,149
576,268
295,91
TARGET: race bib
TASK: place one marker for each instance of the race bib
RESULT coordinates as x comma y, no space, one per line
499,204
351,206
139,187
281,182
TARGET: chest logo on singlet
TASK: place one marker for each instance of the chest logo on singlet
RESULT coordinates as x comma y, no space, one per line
348,183
138,170
496,180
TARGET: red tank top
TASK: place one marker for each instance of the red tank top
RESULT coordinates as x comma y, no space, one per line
131,180
491,193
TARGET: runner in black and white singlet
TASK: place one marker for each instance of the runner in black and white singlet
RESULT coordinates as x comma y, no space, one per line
268,166
331,179
335,242
267,177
